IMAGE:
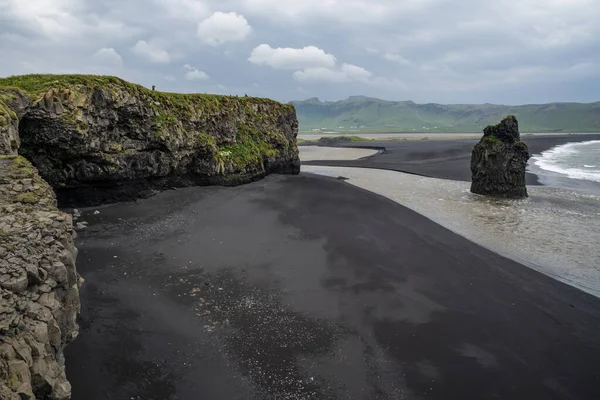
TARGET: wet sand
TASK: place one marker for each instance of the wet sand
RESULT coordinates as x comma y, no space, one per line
305,287
446,159
523,230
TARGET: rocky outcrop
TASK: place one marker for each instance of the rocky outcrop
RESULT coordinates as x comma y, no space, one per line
13,104
499,161
39,285
100,139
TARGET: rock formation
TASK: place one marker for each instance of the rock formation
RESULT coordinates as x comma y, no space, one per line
39,288
101,139
13,104
499,161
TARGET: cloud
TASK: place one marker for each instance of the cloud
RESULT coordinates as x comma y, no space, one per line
108,56
320,74
221,27
455,51
191,10
194,74
346,73
396,58
290,58
59,19
351,11
356,73
311,64
151,52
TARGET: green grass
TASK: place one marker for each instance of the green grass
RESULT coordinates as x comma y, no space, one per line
37,84
491,140
374,115
28,198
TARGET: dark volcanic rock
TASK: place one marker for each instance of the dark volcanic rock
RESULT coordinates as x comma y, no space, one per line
101,139
499,161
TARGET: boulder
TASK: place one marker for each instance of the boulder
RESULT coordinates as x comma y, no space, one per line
499,161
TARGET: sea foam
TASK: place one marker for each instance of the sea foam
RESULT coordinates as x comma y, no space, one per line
574,160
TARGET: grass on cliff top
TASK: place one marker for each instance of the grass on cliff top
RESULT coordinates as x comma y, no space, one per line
37,84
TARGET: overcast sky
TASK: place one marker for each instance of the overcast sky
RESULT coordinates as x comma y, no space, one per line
445,51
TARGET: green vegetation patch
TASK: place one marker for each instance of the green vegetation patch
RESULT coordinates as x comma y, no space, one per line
5,111
19,166
28,198
492,140
248,152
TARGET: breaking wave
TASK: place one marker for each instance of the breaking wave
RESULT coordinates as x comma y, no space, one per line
574,160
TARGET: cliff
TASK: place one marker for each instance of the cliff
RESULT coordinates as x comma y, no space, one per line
100,139
38,285
499,161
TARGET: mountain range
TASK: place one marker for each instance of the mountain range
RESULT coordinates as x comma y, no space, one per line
366,114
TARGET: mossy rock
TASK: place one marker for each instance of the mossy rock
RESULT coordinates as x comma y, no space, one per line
28,198
86,131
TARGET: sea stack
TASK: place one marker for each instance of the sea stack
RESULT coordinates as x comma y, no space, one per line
499,161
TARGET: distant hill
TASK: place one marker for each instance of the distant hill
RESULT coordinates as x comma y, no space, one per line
360,113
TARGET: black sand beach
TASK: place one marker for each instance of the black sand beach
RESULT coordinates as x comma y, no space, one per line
304,287
446,159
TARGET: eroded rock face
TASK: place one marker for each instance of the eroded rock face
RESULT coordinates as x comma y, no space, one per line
13,104
39,286
119,141
499,161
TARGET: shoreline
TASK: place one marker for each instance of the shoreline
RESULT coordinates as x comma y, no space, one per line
287,288
522,230
550,208
444,159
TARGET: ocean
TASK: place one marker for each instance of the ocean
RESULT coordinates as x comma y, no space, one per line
569,166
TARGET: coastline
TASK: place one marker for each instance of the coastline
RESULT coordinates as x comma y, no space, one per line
287,288
522,230
416,176
444,159
307,286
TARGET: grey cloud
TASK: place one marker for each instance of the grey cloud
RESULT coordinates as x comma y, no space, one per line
453,51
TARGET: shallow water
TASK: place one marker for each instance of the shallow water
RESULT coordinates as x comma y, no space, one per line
555,231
